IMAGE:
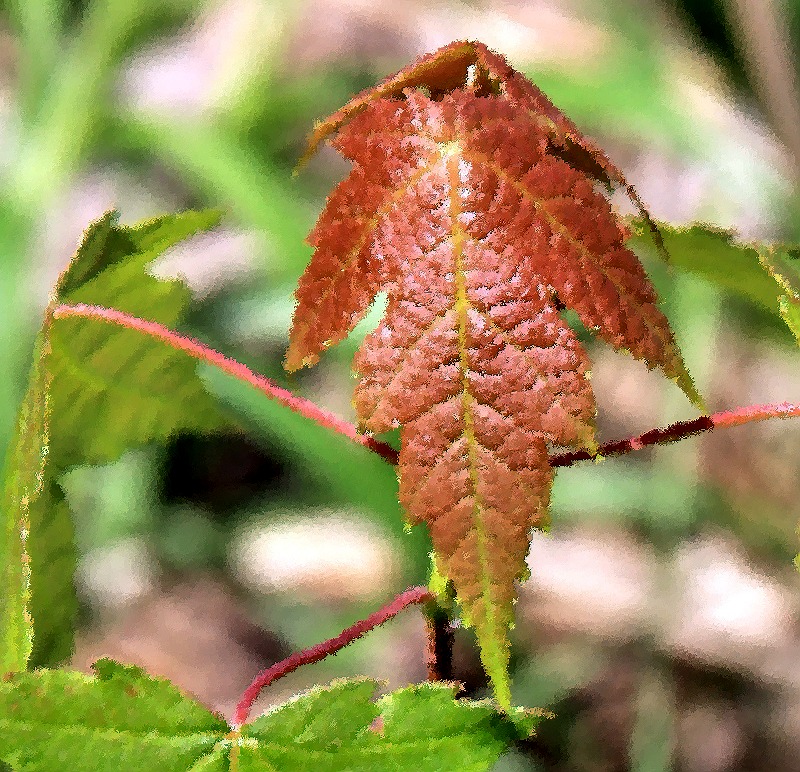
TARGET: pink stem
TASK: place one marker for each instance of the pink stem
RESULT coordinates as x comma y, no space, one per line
681,430
672,433
206,354
326,648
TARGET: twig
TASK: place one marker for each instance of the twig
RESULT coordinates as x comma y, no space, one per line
441,636
325,649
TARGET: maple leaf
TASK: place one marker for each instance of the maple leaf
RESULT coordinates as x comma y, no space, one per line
472,204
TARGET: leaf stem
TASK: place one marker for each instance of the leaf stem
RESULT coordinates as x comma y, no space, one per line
681,430
321,650
662,436
207,354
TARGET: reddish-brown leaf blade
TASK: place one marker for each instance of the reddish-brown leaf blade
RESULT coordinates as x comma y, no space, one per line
568,143
572,239
525,96
473,206
348,268
474,360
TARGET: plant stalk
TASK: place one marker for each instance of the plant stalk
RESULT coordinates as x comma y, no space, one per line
325,649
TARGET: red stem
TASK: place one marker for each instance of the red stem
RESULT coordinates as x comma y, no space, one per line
206,354
305,407
325,649
681,430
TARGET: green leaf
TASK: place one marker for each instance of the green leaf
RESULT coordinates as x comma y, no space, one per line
425,724
121,719
768,275
96,390
423,728
783,265
323,715
790,313
715,255
115,388
53,561
22,487
105,244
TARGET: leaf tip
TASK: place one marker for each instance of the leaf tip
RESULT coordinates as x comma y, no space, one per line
294,360
320,132
502,691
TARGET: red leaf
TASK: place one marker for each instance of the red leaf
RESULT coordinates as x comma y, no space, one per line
472,204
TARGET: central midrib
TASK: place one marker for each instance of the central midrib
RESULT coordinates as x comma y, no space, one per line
459,237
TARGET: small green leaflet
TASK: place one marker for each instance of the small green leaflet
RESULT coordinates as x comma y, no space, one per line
122,719
94,391
717,256
783,265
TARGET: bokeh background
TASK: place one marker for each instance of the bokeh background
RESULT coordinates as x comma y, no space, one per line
661,624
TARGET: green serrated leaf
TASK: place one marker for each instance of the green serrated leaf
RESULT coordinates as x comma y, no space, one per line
120,719
428,726
123,719
115,388
106,244
95,391
715,255
90,257
783,265
322,717
423,729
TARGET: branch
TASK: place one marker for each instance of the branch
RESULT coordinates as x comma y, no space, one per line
325,649
207,354
305,407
